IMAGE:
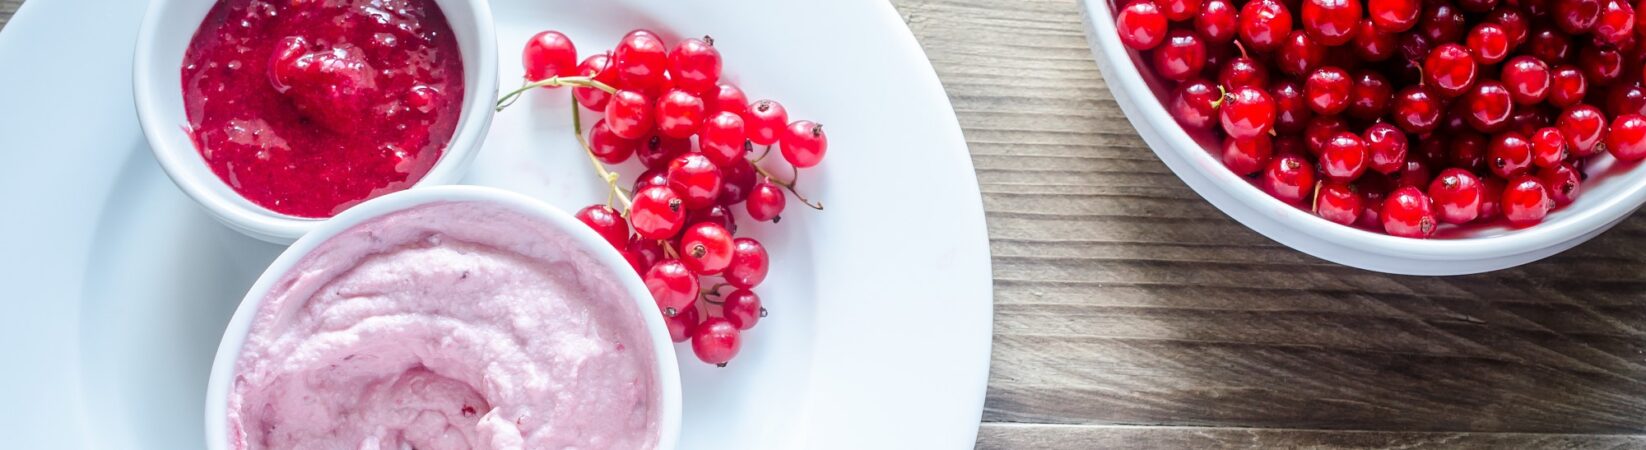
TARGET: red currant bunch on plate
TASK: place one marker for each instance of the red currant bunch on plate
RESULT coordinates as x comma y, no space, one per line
1407,117
677,225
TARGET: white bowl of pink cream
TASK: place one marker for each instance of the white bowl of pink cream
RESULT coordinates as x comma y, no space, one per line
446,318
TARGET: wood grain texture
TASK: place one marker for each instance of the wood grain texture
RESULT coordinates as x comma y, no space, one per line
1123,298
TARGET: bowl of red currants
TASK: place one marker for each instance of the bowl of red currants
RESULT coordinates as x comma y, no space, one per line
1402,136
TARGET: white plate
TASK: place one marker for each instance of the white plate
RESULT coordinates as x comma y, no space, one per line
118,287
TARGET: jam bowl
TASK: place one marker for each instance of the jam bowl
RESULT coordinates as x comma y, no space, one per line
253,119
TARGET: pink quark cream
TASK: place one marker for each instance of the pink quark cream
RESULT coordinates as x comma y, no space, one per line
459,325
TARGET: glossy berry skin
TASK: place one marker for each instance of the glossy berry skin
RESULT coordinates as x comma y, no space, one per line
1627,138
681,325
1298,54
695,179
1289,178
1601,66
1242,71
608,147
1407,212
657,213
672,285
1386,147
727,98
1369,97
1327,90
1489,43
803,144
1321,130
1247,156
765,121
1372,189
1617,21
1372,44
737,182
1415,111
1216,21
748,265
1525,201
1180,57
549,54
1416,173
1343,158
1576,16
629,114
716,214
1263,23
646,253
1450,70
1179,10
1509,155
1562,181
1548,147
765,202
658,151
1292,112
1527,78
652,177
1141,24
1331,21
679,114
1513,23
1338,203
1456,194
716,341
606,222
1549,45
1584,127
1489,106
706,248
1194,104
1567,87
742,308
1247,112
694,65
722,138
1627,99
1394,16
599,67
641,60
1491,194
1442,22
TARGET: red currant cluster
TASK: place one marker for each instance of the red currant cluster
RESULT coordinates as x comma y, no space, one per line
1323,107
656,101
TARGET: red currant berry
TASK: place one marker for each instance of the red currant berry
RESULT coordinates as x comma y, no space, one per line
1338,203
1141,25
694,65
1601,66
1549,45
728,98
681,325
1491,193
1385,148
695,179
803,144
1567,87
608,147
607,223
1321,129
679,114
1373,44
1291,107
1416,111
1548,147
765,121
1181,56
1394,16
1263,23
595,66
1343,158
673,286
1616,23
1298,54
657,176
749,264
1195,103
742,308
722,138
1327,90
1627,139
1289,178
1369,98
1510,155
1247,156
1489,43
715,214
765,202
1442,22
737,181
657,213
1331,21
716,341
1525,201
1456,194
658,151
641,60
1247,112
1629,99
1562,181
629,114
1415,174
1514,24
1576,16
1527,79
1489,106
1215,23
646,252
1408,213
1450,70
1468,151
1372,189
549,54
706,248
1242,71
1583,127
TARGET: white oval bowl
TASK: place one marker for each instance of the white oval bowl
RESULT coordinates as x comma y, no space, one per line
234,338
157,89
1612,191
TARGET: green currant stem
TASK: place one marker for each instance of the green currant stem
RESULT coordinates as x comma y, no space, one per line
609,176
789,185
509,98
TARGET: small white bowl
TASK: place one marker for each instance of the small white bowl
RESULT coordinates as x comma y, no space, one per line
157,88
1609,195
234,338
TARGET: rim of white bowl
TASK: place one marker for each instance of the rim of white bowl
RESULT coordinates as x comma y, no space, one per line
234,336
183,164
1573,224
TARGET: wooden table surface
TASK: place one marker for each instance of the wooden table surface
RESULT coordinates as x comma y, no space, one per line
1129,313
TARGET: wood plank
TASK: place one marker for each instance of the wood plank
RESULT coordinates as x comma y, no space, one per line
1122,297
1044,437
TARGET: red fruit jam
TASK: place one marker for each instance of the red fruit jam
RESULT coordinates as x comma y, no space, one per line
307,107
